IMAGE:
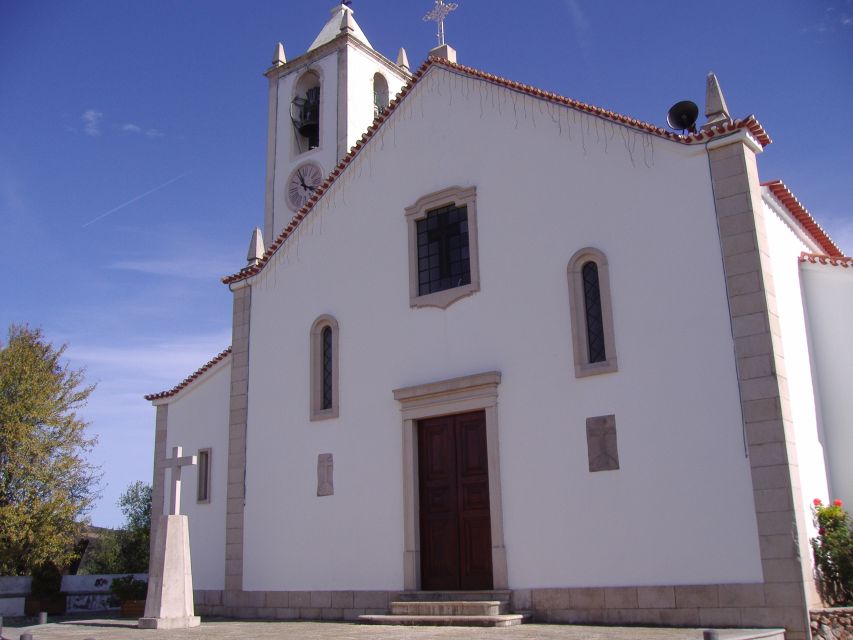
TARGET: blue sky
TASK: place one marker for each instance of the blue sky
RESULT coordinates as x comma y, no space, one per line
132,147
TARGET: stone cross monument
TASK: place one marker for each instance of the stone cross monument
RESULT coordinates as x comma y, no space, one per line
169,604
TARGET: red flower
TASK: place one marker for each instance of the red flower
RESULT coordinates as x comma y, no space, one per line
817,502
821,531
838,503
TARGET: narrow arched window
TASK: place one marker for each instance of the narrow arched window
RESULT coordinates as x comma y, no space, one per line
592,310
324,368
380,94
594,345
328,382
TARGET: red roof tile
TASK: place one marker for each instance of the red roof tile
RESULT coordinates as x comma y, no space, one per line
190,379
835,261
801,215
749,123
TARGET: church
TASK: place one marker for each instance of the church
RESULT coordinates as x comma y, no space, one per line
496,340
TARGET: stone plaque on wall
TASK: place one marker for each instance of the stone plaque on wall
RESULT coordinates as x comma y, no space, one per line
325,482
601,443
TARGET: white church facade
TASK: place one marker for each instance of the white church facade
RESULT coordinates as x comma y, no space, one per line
492,338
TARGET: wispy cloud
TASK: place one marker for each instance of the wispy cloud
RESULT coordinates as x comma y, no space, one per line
135,128
835,18
580,26
184,267
134,199
92,122
165,362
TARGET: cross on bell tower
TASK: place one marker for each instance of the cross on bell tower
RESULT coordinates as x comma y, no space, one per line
438,13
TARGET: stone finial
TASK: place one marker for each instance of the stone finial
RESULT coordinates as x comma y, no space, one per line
715,104
347,21
403,59
256,248
278,58
444,51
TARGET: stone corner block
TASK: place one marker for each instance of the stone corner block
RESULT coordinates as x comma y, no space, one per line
697,596
656,597
620,598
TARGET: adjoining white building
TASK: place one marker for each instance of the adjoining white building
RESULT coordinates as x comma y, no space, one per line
492,338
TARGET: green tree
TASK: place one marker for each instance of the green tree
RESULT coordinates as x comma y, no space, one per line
46,483
102,554
124,550
134,538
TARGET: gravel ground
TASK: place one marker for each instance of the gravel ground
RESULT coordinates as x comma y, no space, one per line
113,628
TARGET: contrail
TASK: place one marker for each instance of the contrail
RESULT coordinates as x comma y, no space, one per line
132,200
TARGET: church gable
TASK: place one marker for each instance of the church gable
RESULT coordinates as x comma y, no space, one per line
530,107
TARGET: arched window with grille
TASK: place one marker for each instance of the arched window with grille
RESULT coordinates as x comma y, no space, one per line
593,341
324,368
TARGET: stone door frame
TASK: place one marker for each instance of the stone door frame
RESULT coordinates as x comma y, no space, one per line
445,397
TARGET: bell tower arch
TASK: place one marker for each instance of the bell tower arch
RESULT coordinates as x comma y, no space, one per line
305,112
320,104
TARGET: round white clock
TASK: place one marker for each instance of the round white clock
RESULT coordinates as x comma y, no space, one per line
302,183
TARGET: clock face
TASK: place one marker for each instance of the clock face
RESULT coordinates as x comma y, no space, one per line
302,183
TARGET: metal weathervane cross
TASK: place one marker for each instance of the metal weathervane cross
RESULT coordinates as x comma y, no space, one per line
175,463
438,14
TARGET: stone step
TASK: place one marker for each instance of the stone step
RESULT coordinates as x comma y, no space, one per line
450,608
744,634
505,620
501,595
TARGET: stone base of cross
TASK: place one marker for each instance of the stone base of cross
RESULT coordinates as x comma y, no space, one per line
169,604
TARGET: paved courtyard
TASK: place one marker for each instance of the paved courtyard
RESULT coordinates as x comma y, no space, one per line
219,629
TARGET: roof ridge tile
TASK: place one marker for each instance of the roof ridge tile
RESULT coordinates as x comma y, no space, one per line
819,258
802,216
190,378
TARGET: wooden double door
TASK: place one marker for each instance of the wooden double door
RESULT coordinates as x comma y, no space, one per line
455,524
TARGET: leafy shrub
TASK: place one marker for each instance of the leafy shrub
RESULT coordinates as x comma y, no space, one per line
833,552
129,588
47,580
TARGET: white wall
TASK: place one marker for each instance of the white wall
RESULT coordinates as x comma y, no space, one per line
785,248
198,419
13,592
828,294
549,182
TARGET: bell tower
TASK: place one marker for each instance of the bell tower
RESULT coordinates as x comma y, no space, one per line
320,104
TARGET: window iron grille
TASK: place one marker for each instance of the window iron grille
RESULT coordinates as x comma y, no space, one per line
593,314
326,400
443,255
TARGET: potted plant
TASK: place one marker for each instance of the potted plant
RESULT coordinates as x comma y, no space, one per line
45,593
131,593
